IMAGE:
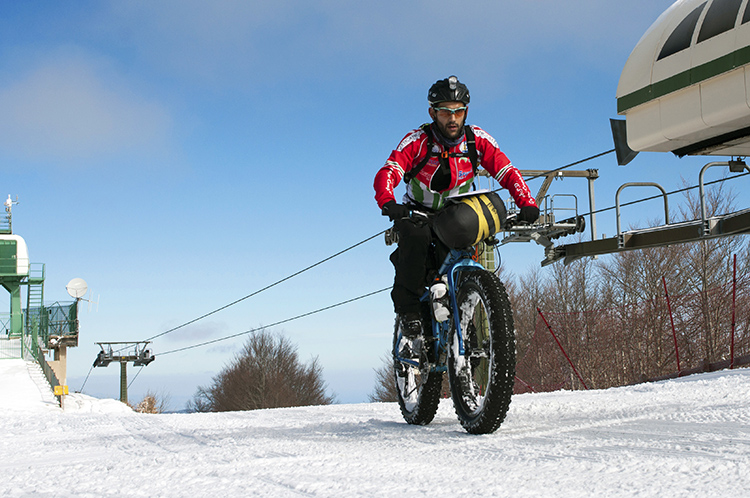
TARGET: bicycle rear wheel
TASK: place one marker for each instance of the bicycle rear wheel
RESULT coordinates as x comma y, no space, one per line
482,377
418,388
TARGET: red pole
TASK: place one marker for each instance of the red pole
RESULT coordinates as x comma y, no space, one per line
671,319
734,298
528,386
562,349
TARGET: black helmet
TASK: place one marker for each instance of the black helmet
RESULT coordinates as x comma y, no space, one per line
448,90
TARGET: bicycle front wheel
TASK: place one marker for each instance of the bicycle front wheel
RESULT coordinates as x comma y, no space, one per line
482,378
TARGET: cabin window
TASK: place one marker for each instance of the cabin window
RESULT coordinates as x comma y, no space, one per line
720,17
746,15
682,35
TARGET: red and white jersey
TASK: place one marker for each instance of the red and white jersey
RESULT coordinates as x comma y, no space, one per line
412,150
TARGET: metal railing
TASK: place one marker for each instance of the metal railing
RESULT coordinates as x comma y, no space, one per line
57,319
10,348
48,372
4,325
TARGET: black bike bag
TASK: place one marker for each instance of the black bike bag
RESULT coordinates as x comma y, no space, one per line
469,219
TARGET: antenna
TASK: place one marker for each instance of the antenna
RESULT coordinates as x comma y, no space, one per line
8,216
9,203
77,288
91,301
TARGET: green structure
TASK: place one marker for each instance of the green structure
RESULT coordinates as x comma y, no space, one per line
486,256
14,272
28,332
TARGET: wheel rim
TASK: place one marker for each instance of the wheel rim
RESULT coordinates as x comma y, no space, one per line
408,380
474,366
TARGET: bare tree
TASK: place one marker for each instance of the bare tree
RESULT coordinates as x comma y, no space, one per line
201,401
267,373
385,386
613,320
708,263
639,334
153,403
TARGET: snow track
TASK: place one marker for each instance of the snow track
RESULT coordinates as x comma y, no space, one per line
683,437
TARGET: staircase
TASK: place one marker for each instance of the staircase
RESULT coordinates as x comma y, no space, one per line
37,376
35,301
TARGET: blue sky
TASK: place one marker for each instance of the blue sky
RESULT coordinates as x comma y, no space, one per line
179,155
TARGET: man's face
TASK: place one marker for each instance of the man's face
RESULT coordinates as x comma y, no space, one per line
450,117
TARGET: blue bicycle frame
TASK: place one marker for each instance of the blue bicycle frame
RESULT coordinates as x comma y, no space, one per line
455,261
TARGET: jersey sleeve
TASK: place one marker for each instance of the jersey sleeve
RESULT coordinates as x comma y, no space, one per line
401,160
499,166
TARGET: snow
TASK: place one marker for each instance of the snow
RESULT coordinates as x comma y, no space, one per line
684,437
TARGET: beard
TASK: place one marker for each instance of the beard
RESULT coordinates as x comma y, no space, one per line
447,132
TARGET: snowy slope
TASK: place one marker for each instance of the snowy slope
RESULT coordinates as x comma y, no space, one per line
687,437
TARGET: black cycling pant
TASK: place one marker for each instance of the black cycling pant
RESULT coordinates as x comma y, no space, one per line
418,255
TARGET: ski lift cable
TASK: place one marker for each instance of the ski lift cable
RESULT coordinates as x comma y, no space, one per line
135,376
658,196
86,379
266,287
213,341
546,173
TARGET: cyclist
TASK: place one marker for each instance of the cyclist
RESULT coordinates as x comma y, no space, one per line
435,161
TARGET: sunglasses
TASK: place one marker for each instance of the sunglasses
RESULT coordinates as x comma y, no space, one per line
444,112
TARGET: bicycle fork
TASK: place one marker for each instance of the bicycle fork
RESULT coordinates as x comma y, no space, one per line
454,263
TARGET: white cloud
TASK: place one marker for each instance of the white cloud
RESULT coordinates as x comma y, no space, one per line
74,108
244,44
209,42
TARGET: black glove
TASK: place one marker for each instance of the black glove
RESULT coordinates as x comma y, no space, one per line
529,214
395,211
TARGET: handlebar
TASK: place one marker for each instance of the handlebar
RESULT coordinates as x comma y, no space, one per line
511,219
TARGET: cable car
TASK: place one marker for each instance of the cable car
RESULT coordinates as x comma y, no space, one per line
686,86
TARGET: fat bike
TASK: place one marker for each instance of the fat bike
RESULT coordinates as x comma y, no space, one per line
475,345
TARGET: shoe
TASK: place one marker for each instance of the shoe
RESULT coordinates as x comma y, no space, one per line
410,345
410,324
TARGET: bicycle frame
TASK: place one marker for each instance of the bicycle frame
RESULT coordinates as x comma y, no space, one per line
455,261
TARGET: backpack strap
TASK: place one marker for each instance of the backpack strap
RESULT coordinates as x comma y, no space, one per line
409,175
471,143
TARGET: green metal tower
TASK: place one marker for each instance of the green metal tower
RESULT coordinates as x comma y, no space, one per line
14,270
36,327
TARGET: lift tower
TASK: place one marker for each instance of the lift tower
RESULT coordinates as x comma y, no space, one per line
138,354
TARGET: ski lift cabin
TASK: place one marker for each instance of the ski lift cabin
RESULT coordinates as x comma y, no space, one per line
686,86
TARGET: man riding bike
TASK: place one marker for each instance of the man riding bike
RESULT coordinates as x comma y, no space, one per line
437,160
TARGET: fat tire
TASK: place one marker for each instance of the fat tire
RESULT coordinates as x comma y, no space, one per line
483,387
418,389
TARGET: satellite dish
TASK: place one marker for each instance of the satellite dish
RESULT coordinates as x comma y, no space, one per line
77,288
